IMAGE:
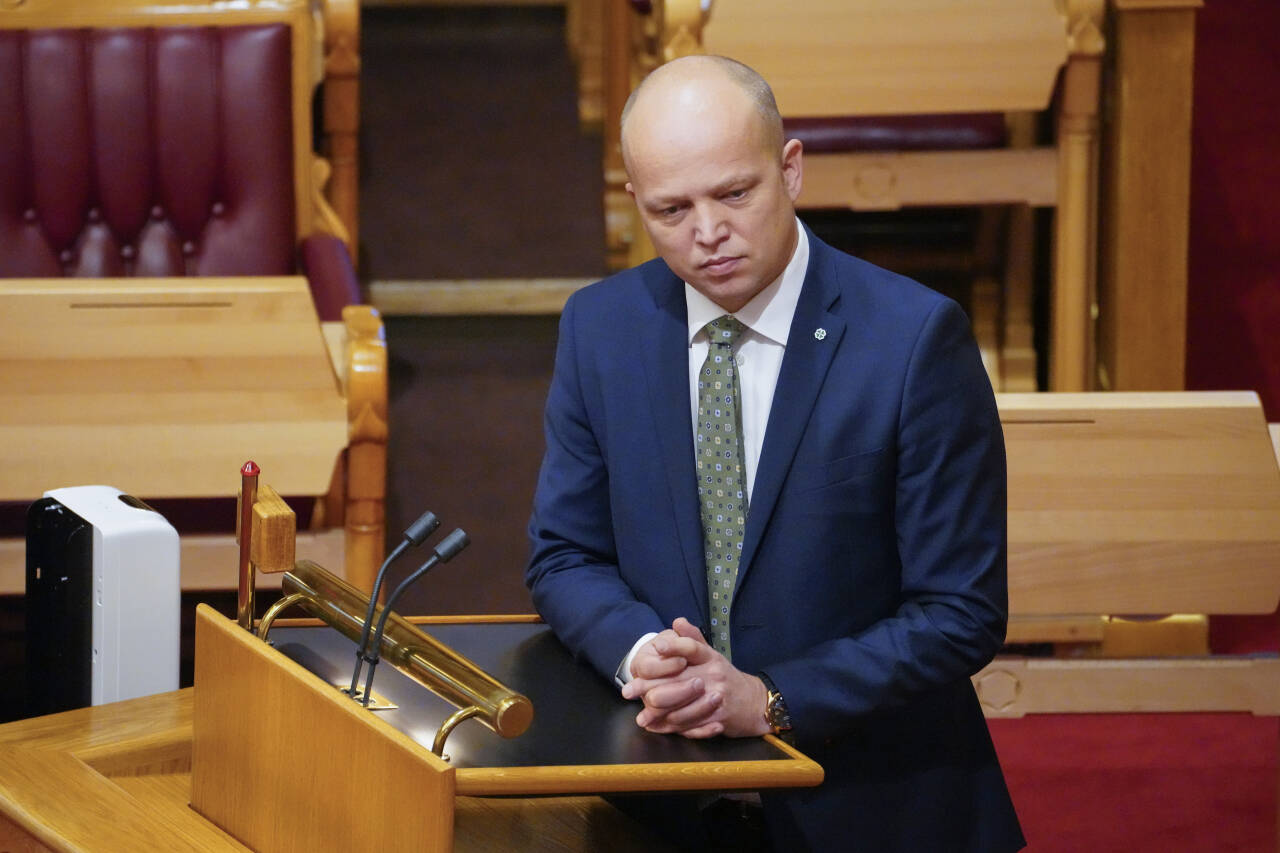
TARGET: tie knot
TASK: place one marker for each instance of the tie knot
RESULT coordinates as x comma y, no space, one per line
724,331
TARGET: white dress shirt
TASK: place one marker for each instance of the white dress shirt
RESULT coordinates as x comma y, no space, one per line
767,318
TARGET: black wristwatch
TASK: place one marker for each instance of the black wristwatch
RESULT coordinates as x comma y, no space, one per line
775,708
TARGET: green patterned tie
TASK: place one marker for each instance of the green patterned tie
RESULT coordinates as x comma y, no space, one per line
722,480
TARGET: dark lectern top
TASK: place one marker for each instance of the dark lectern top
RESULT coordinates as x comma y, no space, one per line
579,718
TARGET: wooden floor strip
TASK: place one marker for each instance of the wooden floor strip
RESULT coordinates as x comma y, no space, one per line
457,297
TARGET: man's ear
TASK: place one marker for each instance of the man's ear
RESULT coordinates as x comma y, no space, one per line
793,167
630,191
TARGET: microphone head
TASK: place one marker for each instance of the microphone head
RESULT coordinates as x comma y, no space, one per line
418,532
450,545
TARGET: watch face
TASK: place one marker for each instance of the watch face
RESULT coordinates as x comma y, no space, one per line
777,712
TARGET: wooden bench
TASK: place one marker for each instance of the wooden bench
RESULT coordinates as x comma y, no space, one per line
1141,506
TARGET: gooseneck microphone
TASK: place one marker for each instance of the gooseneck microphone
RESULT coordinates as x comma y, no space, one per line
444,552
414,536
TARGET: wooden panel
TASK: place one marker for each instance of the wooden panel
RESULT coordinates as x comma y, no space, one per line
164,390
1131,503
279,759
58,779
88,811
1014,687
1145,196
15,839
895,56
1085,628
551,824
889,181
457,297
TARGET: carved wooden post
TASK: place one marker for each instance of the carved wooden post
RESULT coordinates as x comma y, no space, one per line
1075,231
366,393
341,110
619,214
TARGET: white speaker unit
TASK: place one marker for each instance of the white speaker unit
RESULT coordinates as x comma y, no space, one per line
103,600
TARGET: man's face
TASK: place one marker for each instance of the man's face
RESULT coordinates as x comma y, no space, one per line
716,202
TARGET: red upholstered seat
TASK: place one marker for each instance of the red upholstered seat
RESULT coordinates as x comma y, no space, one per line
155,152
944,132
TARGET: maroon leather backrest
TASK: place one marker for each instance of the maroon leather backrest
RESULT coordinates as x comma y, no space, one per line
146,152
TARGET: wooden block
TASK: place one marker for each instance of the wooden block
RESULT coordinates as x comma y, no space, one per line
1184,634
888,181
1014,687
275,527
1082,628
278,758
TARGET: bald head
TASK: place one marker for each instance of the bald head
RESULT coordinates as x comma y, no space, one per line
700,88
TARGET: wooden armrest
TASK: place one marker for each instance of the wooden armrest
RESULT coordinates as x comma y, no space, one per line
358,352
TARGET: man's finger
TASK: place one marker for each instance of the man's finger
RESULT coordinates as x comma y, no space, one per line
699,713
637,687
674,694
653,666
684,628
697,649
696,713
670,644
702,732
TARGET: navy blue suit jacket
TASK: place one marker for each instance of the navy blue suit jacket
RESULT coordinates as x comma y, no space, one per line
873,579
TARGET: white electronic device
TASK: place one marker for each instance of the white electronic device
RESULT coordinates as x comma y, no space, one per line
103,599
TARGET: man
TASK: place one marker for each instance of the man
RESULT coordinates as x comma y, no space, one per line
789,519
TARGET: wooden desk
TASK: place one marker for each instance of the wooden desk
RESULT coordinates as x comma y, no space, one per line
163,390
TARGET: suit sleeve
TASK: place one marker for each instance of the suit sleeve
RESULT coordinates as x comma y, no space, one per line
950,524
573,571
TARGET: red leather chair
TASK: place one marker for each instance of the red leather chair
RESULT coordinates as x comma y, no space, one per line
157,151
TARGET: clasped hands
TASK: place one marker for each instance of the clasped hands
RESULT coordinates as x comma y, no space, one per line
689,688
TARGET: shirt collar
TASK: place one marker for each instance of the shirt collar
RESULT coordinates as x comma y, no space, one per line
769,313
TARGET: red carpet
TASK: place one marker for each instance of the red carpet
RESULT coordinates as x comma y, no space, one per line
1138,782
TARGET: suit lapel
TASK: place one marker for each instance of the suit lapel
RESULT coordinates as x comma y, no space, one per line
664,343
811,345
